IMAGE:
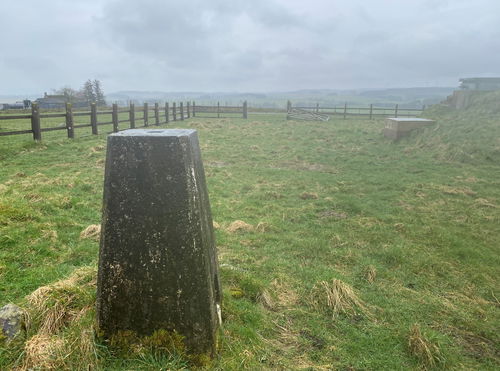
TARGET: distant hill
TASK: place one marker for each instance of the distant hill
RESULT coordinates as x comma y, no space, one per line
4,98
429,95
405,97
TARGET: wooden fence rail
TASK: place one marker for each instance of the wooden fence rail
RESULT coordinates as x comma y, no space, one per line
146,115
159,116
218,110
370,111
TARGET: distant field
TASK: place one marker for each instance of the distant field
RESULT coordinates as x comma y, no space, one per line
359,253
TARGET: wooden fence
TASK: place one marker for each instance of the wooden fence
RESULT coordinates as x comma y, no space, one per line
219,111
151,115
369,112
156,115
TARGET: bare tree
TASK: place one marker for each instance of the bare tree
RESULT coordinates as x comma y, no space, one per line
99,94
69,93
88,92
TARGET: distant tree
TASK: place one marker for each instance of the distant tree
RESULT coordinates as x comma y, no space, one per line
70,93
99,94
88,92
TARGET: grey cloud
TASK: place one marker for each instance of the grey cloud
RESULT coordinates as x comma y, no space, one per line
247,45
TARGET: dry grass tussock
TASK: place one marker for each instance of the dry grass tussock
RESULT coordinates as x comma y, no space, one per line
428,353
337,297
93,231
33,182
262,227
463,191
370,273
309,196
482,202
278,296
239,226
266,300
98,148
57,336
44,352
286,297
49,234
52,352
54,306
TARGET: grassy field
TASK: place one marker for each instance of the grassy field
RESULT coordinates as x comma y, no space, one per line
338,248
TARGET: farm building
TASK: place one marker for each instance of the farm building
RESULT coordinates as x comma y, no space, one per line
59,101
16,105
480,83
469,88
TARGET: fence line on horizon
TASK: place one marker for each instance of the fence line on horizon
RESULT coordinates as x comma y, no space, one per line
178,112
159,116
370,111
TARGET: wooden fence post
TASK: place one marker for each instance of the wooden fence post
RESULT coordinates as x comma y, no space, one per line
194,109
245,110
174,112
131,115
317,107
371,111
69,121
157,114
218,109
188,109
114,117
167,113
146,113
345,110
288,106
396,111
93,118
181,107
35,122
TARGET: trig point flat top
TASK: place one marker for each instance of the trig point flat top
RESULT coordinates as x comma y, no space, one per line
154,133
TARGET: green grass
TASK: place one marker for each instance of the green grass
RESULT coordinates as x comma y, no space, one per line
410,227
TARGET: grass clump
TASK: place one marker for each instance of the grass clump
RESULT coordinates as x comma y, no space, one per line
44,352
370,273
61,334
53,307
239,226
337,297
60,327
92,231
425,348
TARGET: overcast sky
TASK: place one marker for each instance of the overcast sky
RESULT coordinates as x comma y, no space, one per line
245,46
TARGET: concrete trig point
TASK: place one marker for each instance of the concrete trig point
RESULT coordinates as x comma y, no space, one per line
158,265
396,128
